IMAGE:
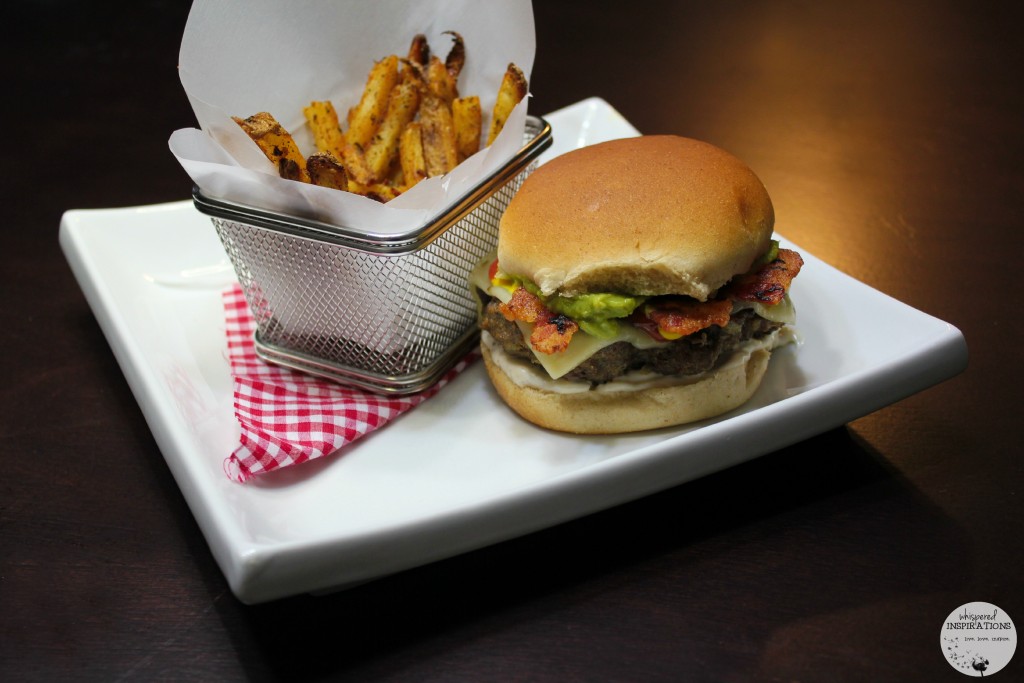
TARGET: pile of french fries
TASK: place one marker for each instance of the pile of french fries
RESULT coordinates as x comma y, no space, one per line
410,124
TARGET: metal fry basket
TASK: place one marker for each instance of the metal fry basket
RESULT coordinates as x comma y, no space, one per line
387,313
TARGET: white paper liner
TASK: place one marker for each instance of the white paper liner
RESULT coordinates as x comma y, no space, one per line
240,57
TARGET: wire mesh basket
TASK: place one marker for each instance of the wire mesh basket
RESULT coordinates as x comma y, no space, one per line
387,313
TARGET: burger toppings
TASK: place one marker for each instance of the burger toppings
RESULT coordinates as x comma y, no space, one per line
674,317
597,337
769,283
664,318
552,332
594,361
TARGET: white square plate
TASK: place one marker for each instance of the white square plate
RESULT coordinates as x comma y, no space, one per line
461,470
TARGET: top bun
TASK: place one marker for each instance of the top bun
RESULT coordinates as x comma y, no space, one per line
649,215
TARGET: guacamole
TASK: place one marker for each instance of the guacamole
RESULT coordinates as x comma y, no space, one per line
596,313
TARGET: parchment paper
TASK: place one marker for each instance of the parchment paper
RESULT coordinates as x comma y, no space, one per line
239,57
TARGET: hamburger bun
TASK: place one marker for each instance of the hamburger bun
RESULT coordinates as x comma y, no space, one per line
618,410
650,215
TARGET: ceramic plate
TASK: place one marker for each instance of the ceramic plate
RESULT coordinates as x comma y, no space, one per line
460,471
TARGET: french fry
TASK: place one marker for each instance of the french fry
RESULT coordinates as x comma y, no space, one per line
440,83
456,58
402,107
438,132
415,63
323,122
380,192
410,154
510,93
419,50
409,124
412,74
373,103
442,77
289,169
355,164
325,170
396,176
277,144
467,118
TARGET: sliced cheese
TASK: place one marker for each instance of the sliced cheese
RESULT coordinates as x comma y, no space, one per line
582,346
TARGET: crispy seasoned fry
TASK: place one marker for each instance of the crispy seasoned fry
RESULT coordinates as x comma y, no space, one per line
374,102
412,74
289,169
467,117
355,164
277,144
402,107
409,124
415,64
456,58
440,83
438,134
419,50
325,170
380,192
396,176
323,122
510,93
410,154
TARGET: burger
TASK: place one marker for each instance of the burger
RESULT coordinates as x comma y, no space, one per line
636,285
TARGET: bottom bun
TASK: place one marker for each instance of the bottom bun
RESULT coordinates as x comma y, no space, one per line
626,408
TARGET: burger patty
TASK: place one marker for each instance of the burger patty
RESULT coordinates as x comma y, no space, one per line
690,355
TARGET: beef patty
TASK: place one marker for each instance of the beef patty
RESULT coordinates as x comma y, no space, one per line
689,355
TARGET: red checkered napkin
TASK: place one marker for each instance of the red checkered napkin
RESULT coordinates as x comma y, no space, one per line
288,417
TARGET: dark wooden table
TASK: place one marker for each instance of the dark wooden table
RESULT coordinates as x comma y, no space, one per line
890,137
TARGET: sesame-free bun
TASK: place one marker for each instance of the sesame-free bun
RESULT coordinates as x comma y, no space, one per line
649,215
539,400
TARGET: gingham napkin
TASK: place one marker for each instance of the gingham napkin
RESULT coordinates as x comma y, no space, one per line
288,417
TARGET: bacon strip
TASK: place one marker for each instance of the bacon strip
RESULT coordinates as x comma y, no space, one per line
553,335
523,306
679,317
552,332
769,283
